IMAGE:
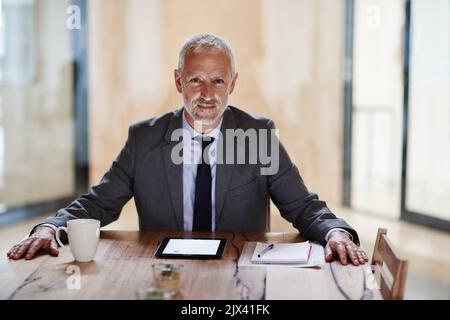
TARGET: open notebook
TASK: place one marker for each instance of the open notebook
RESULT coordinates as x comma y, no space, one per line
281,252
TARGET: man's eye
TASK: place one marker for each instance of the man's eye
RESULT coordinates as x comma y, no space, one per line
195,80
219,81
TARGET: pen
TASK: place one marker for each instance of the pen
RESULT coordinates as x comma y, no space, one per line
269,247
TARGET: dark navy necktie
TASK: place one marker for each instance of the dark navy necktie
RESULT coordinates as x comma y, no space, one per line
202,203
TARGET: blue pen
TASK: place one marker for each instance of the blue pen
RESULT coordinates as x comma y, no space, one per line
269,247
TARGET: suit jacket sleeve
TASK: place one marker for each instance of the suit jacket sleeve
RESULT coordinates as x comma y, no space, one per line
296,204
104,201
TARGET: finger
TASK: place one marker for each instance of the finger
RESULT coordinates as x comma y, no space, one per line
34,247
328,253
360,257
53,248
352,254
364,255
13,249
21,249
342,252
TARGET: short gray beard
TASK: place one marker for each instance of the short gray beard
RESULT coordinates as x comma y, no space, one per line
203,122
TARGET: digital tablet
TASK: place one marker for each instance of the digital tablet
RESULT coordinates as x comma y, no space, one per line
191,248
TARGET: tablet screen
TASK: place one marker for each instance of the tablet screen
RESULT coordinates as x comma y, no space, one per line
191,248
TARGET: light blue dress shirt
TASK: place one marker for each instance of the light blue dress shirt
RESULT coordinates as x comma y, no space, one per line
192,151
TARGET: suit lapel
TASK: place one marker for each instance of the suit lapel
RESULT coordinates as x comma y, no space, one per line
174,172
223,171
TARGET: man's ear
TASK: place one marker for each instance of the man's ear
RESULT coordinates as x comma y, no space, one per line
233,82
177,77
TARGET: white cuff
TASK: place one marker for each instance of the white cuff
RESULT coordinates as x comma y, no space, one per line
39,225
48,225
327,236
45,225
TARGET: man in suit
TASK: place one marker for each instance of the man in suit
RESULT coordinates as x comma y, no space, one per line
207,194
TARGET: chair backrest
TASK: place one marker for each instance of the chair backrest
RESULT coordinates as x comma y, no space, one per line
392,286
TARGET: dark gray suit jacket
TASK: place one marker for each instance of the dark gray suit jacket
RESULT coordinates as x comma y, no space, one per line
144,170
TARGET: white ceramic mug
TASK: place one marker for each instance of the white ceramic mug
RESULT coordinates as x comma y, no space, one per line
83,235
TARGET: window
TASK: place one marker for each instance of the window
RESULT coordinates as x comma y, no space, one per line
40,108
2,149
399,110
427,177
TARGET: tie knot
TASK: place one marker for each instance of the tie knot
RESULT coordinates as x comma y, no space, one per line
204,140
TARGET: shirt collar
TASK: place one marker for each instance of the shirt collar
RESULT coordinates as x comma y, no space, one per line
214,133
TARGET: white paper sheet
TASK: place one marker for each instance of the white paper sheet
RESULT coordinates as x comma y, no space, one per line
192,246
316,259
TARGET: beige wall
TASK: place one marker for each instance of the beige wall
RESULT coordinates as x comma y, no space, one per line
289,57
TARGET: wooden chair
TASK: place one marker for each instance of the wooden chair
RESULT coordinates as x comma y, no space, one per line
392,286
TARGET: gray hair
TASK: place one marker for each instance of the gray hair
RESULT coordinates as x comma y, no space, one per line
206,41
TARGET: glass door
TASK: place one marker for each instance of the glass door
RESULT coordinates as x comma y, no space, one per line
426,156
376,112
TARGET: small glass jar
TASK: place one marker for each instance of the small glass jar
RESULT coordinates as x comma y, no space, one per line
167,277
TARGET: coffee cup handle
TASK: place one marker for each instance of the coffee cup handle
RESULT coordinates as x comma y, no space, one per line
57,235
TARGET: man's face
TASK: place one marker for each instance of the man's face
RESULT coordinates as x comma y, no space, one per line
205,83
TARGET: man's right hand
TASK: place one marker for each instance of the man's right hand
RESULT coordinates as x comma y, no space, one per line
42,238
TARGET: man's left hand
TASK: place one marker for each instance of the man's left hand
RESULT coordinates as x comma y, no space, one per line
340,244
